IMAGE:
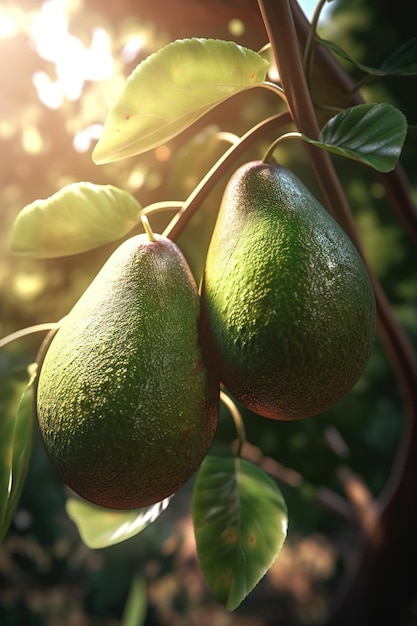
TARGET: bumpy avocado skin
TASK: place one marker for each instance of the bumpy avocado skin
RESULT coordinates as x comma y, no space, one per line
286,297
126,405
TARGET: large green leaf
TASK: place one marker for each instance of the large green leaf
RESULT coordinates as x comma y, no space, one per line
79,217
240,525
403,62
15,445
100,527
370,133
171,89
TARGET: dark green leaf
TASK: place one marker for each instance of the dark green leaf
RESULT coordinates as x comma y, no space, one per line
16,446
100,527
370,133
9,403
79,217
403,62
171,89
240,525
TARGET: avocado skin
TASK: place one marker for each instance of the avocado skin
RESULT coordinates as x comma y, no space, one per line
126,405
286,297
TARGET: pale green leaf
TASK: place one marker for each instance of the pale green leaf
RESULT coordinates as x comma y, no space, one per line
79,217
171,89
100,527
370,133
240,525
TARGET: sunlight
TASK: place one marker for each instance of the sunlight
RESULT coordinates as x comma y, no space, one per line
11,20
83,138
74,62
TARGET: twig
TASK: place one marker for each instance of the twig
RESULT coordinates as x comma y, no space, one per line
369,588
191,205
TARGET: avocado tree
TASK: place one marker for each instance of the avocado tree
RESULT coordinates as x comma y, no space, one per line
240,515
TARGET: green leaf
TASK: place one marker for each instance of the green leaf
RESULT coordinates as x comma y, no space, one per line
100,527
79,217
16,446
240,525
134,613
171,89
370,133
403,62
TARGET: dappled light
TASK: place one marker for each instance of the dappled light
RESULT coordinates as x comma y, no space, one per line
169,152
74,64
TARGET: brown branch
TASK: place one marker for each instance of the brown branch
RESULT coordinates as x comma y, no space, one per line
194,201
381,578
331,82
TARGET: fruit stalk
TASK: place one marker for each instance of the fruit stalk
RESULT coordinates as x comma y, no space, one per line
147,227
193,202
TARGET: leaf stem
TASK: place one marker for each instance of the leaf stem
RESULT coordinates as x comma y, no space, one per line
269,154
365,80
158,207
230,138
24,332
276,89
309,48
237,419
198,195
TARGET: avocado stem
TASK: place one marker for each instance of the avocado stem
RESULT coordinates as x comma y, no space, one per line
24,332
237,419
147,227
269,153
235,151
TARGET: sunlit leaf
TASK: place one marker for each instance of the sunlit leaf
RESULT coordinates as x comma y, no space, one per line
240,525
15,448
134,613
171,89
370,133
100,527
79,217
403,62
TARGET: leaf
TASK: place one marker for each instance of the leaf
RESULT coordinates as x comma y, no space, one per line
16,446
134,613
79,217
370,133
9,401
240,524
403,62
100,527
171,89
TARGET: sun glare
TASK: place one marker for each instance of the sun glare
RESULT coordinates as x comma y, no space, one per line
74,62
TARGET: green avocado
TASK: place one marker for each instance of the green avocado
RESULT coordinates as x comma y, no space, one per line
126,404
286,298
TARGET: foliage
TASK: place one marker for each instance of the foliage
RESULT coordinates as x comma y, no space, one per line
231,491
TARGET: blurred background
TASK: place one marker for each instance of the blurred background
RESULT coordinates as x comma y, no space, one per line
62,63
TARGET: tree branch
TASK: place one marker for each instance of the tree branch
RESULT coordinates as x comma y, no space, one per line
380,581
